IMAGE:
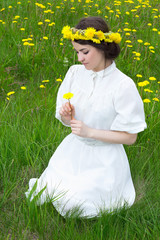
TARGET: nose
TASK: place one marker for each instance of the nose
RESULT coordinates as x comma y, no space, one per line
80,57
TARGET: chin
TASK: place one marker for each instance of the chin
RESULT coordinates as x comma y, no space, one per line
87,67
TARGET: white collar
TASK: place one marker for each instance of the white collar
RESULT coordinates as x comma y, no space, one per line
103,72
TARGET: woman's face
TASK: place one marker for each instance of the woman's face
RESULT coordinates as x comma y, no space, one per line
92,58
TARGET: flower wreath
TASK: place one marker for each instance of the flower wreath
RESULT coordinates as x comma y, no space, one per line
90,34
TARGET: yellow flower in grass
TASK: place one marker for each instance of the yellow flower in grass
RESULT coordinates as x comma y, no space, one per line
26,43
140,41
146,100
90,32
139,75
148,90
147,44
42,86
58,80
45,38
154,30
23,88
10,93
16,17
156,99
143,84
45,81
68,95
152,78
31,44
47,20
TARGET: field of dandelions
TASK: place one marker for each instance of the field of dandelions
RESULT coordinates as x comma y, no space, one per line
33,61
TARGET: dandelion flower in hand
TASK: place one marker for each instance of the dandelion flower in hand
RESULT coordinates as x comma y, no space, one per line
68,95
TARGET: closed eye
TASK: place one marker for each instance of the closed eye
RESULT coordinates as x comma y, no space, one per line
83,52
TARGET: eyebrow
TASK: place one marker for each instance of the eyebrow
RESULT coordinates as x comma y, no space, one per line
81,49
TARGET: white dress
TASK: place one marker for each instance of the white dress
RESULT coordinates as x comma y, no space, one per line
87,173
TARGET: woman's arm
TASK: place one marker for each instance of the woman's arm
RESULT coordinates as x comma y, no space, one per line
80,129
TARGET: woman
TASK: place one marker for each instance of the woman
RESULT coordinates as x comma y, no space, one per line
90,169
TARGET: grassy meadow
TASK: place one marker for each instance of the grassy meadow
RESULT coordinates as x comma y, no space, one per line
33,61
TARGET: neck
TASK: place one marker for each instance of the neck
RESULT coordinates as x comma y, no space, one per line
107,63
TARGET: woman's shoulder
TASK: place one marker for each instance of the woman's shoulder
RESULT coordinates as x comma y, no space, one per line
124,79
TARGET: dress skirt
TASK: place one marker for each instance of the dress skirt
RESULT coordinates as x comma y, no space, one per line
101,181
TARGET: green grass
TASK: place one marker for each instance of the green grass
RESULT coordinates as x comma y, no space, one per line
29,132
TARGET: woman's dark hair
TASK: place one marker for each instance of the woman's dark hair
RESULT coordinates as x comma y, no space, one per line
111,50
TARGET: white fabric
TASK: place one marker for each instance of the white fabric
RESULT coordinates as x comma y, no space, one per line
85,172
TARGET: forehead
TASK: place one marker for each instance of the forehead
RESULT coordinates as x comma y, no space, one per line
80,47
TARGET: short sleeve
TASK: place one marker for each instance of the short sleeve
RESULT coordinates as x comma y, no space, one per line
129,108
64,88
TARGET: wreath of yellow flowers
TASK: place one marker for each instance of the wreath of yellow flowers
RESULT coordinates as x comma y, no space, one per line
90,34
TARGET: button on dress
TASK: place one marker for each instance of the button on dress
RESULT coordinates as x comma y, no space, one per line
86,173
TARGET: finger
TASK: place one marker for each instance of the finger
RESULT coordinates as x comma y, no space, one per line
68,106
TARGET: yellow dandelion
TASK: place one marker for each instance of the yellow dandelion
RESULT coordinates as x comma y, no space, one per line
45,38
143,84
147,44
137,54
148,90
16,17
128,41
152,78
68,95
47,20
100,35
146,100
10,93
154,29
23,88
45,81
26,43
115,37
140,41
67,33
22,29
90,32
40,23
42,86
58,80
156,99
139,75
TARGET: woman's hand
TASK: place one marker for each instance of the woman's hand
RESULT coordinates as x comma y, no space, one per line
79,128
67,112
